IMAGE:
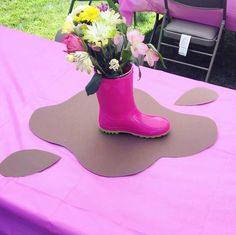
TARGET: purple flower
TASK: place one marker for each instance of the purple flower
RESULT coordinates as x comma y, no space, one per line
103,7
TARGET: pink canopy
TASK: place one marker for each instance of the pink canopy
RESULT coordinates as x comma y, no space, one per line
128,7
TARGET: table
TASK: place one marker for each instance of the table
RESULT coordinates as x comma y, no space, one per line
192,195
128,7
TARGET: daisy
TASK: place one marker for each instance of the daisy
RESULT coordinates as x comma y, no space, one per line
111,17
99,32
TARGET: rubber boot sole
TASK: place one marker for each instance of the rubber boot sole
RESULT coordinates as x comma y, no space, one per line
130,133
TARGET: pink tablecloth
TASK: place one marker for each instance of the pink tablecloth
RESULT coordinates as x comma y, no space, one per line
193,195
128,7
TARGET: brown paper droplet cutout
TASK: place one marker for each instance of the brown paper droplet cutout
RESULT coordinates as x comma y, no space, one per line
197,96
27,162
73,124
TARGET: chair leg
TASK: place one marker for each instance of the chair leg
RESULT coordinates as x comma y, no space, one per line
135,19
71,6
214,52
161,34
221,45
155,27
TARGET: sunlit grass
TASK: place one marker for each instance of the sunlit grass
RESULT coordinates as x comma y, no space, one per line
44,18
40,17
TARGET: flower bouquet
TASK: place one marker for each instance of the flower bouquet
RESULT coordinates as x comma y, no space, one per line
99,41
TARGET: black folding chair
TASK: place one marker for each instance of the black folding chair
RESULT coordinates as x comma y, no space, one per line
201,34
73,3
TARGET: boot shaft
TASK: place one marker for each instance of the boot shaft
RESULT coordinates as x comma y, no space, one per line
115,96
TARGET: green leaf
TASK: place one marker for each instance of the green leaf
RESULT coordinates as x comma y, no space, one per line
123,28
136,62
158,53
94,84
113,5
96,64
84,45
126,56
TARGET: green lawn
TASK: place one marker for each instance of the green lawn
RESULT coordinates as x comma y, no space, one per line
40,17
44,17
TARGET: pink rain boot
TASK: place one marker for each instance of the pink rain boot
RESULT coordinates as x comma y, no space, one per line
119,114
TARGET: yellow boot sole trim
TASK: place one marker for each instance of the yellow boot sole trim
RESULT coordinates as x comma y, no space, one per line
122,132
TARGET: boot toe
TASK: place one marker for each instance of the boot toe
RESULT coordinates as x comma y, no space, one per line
163,126
158,126
151,126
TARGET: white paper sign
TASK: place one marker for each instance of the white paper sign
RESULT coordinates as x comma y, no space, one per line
184,44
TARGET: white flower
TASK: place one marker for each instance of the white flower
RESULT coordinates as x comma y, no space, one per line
79,29
114,64
69,18
83,62
68,26
76,11
111,17
99,33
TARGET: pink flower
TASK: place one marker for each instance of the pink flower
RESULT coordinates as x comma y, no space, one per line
151,57
136,40
73,43
118,39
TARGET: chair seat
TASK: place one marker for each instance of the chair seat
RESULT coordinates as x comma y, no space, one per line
201,34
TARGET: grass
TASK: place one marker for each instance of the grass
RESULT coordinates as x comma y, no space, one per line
39,17
44,18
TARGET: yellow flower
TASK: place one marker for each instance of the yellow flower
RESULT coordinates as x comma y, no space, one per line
70,58
89,14
77,19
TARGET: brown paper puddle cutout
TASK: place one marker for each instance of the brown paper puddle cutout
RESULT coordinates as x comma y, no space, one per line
197,96
27,162
74,125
